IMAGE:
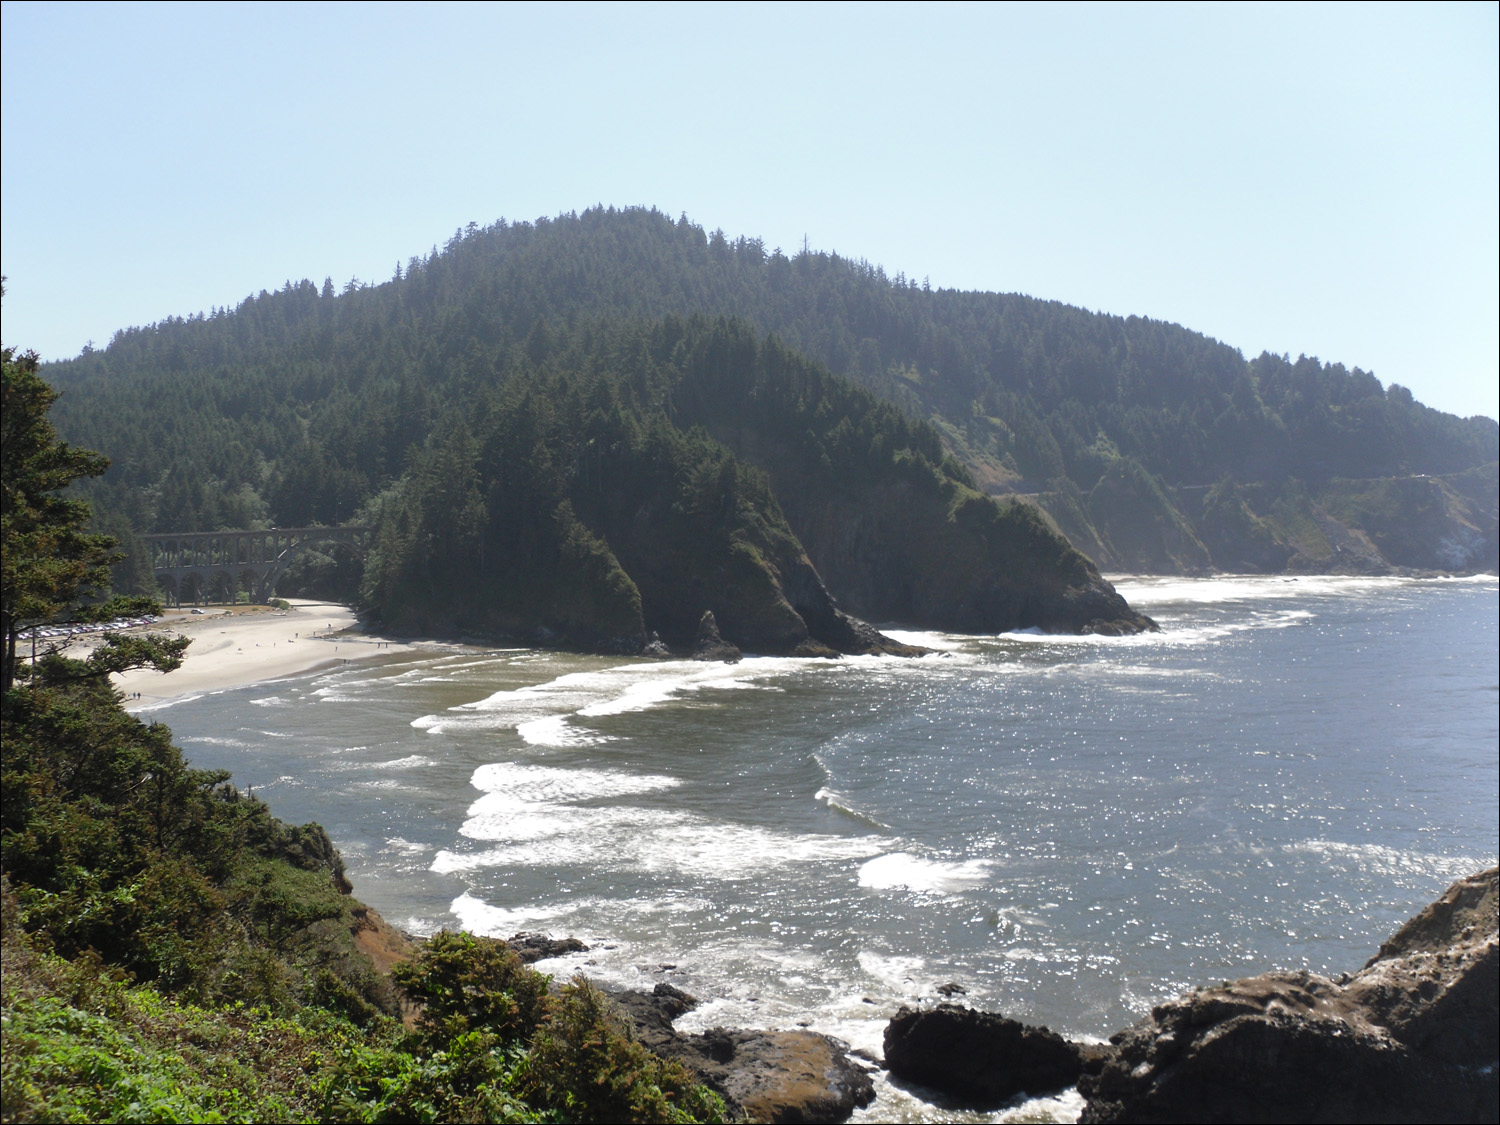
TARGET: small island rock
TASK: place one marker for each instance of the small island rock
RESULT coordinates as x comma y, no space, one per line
709,645
981,1057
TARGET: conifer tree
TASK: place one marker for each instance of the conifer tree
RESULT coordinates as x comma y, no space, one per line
54,571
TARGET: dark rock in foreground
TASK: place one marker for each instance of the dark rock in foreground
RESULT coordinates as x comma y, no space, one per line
770,1076
982,1058
531,947
1414,1036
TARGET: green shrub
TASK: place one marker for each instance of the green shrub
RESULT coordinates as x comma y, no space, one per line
586,1064
468,983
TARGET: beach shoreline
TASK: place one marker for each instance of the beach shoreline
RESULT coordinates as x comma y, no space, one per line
234,646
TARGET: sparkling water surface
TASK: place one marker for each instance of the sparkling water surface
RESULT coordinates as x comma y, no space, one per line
1070,829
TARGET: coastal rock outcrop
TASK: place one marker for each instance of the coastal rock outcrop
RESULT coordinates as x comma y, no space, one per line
983,1058
915,544
766,1076
532,947
1413,1036
708,645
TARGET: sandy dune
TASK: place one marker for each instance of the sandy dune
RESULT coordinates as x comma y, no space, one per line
249,644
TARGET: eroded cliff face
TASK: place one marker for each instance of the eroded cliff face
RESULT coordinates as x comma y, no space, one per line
920,548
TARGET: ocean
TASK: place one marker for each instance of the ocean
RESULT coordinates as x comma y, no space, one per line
1069,829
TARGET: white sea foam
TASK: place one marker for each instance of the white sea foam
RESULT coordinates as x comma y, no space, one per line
497,818
1141,591
841,804
164,703
609,691
902,975
215,740
411,761
1172,634
943,642
406,847
647,840
549,784
269,701
479,917
455,663
535,813
557,730
1066,1106
903,870
736,852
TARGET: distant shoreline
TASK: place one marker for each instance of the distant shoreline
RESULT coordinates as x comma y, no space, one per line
237,646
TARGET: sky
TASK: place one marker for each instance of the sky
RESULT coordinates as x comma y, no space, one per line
1299,179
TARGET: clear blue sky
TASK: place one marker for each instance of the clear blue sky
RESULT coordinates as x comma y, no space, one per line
1303,179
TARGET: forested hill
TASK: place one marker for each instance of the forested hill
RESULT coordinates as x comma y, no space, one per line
1152,446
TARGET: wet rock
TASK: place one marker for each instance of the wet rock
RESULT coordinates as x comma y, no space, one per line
655,647
771,1076
981,1058
709,645
786,1076
1414,1036
531,947
653,1012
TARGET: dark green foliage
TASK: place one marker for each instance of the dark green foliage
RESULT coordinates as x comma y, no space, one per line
82,1044
55,571
299,406
495,1032
114,844
638,478
466,983
345,384
586,1065
469,1080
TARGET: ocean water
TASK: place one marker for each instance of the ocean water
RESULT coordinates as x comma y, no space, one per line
1069,829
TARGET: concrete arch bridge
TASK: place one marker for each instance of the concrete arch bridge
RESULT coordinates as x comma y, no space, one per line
197,560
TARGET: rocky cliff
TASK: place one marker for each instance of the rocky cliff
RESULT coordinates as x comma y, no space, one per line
1412,1036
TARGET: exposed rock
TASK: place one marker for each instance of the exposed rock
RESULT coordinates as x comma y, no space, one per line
771,1076
531,947
709,645
655,647
1411,1037
980,1057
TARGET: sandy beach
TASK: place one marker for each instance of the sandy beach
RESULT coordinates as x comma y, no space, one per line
241,645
